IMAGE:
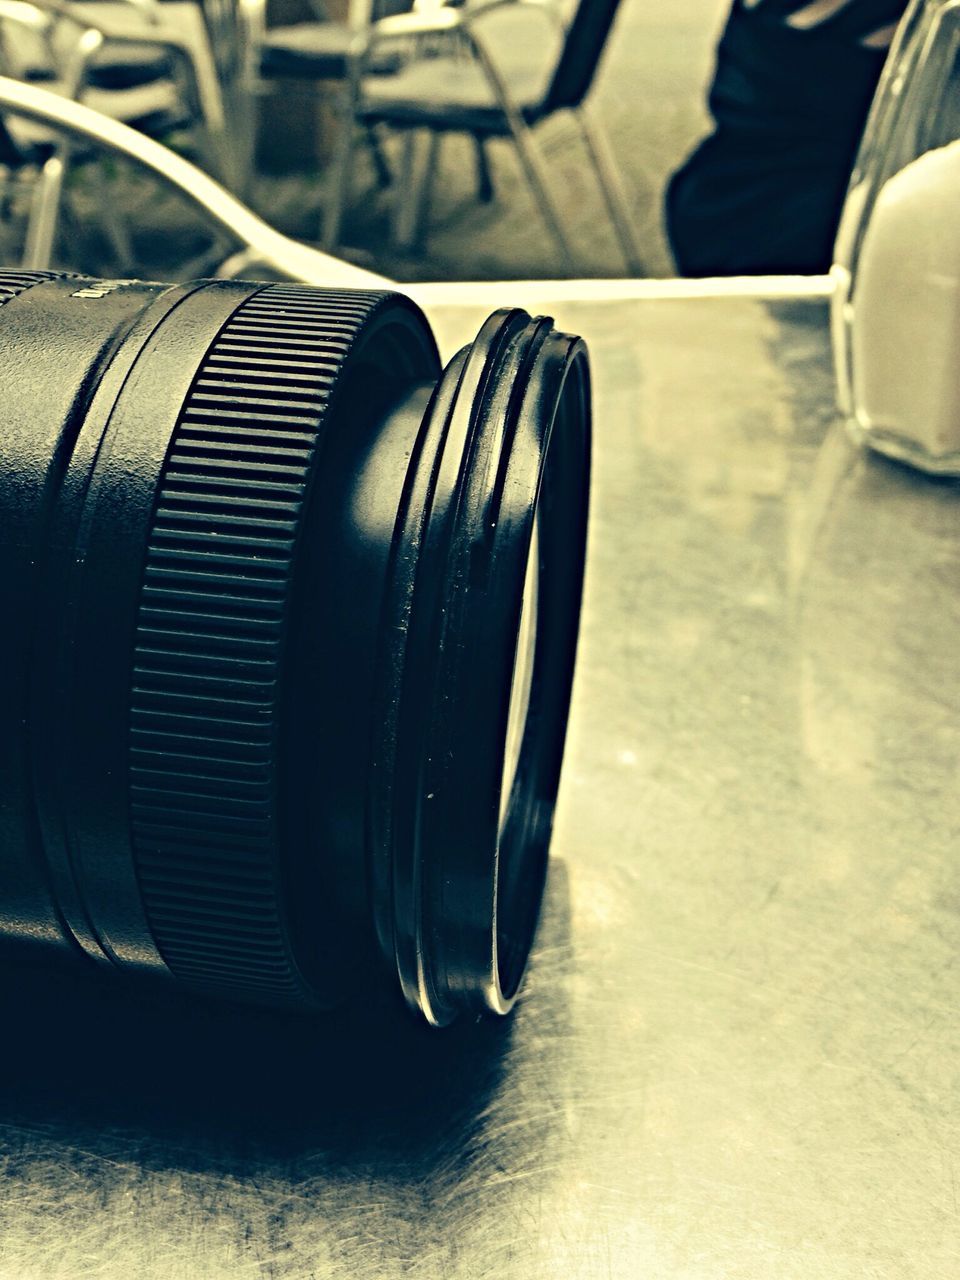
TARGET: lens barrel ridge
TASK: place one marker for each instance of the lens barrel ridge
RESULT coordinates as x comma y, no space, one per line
57,349
268,564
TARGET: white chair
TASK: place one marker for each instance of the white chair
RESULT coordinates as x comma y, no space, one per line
341,53
504,93
126,69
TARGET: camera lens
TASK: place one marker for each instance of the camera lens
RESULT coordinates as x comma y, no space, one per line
290,626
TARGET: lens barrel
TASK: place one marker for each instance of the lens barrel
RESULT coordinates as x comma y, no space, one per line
277,586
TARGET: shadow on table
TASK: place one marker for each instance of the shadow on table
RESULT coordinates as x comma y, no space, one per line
92,1064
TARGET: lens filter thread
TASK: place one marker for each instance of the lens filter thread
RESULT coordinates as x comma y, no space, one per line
450,631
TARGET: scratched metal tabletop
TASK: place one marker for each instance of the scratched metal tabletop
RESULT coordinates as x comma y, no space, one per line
737,1053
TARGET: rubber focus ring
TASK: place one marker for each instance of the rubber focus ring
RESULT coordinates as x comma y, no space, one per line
210,639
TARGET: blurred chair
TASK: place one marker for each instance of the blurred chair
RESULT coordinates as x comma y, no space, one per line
259,245
325,51
488,96
43,42
125,70
35,50
138,32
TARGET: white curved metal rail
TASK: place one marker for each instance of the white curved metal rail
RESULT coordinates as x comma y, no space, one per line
261,245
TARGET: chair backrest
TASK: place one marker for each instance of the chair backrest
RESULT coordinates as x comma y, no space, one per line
362,12
586,36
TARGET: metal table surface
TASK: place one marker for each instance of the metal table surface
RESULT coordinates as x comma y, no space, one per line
737,1054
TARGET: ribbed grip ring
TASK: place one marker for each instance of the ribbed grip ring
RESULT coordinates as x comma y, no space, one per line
210,639
13,283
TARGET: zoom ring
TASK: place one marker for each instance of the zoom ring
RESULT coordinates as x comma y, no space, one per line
210,639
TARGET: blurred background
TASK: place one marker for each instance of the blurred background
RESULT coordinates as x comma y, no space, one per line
649,94
262,97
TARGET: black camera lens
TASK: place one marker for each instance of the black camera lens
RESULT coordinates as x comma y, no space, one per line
290,618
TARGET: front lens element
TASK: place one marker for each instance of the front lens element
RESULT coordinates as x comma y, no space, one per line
522,676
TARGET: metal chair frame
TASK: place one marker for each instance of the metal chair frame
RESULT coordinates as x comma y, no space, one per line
360,34
147,24
93,36
584,39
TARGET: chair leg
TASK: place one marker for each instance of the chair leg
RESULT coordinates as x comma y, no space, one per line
537,179
45,212
380,163
244,107
113,222
611,185
531,161
8,188
428,181
226,160
485,188
415,189
402,212
339,177
424,183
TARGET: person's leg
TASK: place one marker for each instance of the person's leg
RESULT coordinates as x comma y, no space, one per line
790,95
